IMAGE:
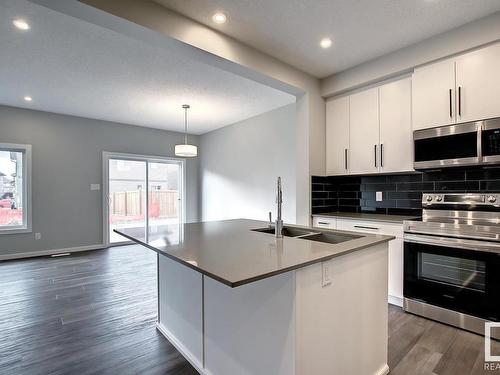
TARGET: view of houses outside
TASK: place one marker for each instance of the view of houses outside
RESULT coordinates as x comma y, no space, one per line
127,195
11,188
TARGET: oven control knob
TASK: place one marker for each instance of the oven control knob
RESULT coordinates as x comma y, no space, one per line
428,198
492,199
439,198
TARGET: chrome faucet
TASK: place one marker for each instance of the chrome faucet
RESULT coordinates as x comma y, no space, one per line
278,227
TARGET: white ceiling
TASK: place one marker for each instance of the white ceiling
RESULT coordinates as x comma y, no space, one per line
72,67
361,30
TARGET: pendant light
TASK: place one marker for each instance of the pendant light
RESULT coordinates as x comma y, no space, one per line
186,150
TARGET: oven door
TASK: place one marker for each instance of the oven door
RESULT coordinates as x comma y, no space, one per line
456,274
448,146
490,141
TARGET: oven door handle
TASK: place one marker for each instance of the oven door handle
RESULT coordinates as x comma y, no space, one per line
458,243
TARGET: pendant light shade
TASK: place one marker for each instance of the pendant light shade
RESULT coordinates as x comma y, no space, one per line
186,150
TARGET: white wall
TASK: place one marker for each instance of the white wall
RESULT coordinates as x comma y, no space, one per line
67,158
466,37
239,165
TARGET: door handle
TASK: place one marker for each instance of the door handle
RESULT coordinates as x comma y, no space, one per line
451,113
345,158
460,100
375,149
381,155
364,227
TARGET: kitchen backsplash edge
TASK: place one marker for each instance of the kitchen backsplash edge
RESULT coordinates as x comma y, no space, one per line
401,193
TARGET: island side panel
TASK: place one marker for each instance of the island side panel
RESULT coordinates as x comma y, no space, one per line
342,328
250,329
180,291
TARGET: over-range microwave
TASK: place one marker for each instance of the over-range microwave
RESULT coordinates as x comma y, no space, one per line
472,143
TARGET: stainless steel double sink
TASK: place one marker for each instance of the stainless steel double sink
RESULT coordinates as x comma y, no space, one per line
307,234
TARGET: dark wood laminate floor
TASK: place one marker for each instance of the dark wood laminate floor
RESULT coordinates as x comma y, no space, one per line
95,313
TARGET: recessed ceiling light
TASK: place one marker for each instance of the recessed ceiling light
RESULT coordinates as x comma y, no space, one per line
219,18
21,24
325,43
28,98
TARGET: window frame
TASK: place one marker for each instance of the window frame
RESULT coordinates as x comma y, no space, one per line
26,227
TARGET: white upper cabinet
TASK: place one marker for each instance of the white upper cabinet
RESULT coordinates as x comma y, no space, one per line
457,90
478,84
396,140
364,132
337,135
433,95
370,131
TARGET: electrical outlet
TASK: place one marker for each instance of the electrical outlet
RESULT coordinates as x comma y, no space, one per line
378,196
38,236
95,187
326,277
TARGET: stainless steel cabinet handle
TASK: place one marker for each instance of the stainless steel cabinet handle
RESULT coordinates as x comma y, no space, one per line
363,227
451,113
345,158
323,222
375,148
460,100
381,154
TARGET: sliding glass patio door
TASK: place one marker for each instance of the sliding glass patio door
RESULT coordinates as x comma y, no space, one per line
142,194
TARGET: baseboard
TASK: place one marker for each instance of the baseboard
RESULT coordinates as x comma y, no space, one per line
383,371
181,348
397,301
32,254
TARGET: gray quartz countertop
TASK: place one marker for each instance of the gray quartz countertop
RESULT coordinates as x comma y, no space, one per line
230,252
367,216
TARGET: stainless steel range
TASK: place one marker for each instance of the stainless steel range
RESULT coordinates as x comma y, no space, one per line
452,260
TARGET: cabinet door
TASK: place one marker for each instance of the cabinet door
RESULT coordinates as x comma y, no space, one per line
364,132
433,95
478,82
324,222
337,135
396,137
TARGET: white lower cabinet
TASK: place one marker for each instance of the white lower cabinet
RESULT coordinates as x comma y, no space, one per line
324,222
395,283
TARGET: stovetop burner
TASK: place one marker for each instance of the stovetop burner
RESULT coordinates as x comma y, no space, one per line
460,215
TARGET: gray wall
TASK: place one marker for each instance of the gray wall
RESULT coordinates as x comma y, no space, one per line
67,158
239,165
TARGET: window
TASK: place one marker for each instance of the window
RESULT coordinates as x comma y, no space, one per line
15,188
143,194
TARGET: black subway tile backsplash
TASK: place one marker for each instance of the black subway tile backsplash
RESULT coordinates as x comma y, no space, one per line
405,178
447,175
401,193
319,194
493,186
483,174
460,186
415,186
378,187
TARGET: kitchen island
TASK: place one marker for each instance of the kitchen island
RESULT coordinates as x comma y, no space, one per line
238,301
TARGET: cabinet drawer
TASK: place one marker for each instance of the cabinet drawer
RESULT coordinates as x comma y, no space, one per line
324,222
368,226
